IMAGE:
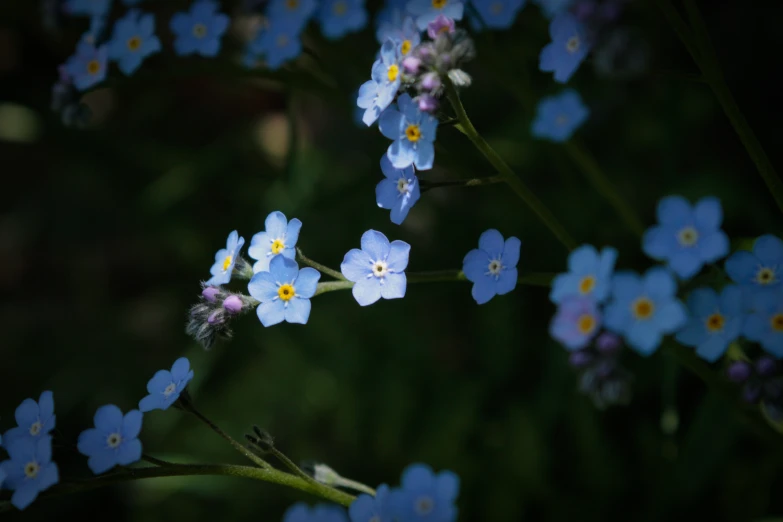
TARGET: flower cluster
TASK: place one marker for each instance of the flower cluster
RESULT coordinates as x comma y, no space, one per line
601,375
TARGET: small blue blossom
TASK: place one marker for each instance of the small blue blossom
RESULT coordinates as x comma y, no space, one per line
568,48
284,291
760,269
427,11
576,322
552,8
199,30
166,386
113,441
391,14
29,469
492,267
589,274
367,508
425,495
413,132
133,40
399,191
225,259
95,32
278,238
557,117
278,43
87,67
497,14
340,17
295,13
376,94
714,321
33,419
644,308
378,269
87,7
403,31
687,237
764,324
301,512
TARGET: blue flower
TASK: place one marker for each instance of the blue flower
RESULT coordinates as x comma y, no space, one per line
284,291
498,14
340,17
114,440
687,237
301,512
426,496
225,259
29,470
87,67
133,40
557,117
589,274
492,267
3,474
165,386
644,308
764,324
34,419
279,237
552,8
402,29
295,13
427,11
378,269
367,508
376,94
762,268
87,7
399,191
413,132
199,30
576,322
714,321
568,48
279,42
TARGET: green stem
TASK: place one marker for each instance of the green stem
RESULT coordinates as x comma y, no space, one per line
181,470
318,266
508,175
474,182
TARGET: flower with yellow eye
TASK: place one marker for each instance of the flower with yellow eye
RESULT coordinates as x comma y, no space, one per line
376,94
760,269
225,259
427,11
340,17
88,66
29,470
284,292
714,321
114,441
34,419
764,324
295,13
589,274
133,40
278,238
492,267
398,191
577,321
199,30
400,28
568,49
413,132
559,116
378,269
166,386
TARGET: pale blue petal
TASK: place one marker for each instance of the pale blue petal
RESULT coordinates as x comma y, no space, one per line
491,242
276,225
693,334
511,252
685,263
714,246
376,245
397,259
713,348
108,418
483,290
263,286
24,495
390,124
271,312
394,286
708,213
356,265
366,291
670,316
583,260
769,249
643,337
129,452
284,270
298,311
703,302
446,486
180,369
425,155
674,211
292,233
658,283
506,282
307,282
102,461
401,153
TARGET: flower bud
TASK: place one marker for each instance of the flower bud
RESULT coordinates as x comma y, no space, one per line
411,64
430,81
210,293
608,343
766,366
580,359
215,317
233,304
739,372
441,24
427,103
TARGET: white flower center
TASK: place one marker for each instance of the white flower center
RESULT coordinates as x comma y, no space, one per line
495,267
561,120
688,236
424,505
379,269
114,440
573,44
402,185
31,469
171,388
36,428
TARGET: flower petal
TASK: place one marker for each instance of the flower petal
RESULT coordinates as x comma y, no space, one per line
306,283
394,286
366,291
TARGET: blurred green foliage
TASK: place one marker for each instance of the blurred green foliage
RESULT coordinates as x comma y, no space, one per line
106,232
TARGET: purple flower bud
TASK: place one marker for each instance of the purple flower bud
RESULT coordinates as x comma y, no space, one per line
210,293
427,103
411,64
233,304
441,24
215,317
430,81
608,343
766,366
584,10
739,372
580,359
751,393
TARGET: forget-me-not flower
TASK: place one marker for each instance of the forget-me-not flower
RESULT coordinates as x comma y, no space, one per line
576,322
340,17
225,259
166,386
497,14
427,11
378,269
413,132
368,508
714,321
87,7
398,191
644,308
760,269
29,470
492,267
301,512
87,67
199,30
284,291
589,274
279,237
687,237
133,40
425,495
294,12
559,116
402,31
279,42
113,441
376,94
33,419
568,48
764,324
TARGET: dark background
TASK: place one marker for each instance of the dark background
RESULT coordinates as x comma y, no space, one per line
106,232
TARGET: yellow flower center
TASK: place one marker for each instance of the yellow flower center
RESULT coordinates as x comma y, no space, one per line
587,284
286,292
36,428
199,30
113,440
765,276
715,322
227,262
291,4
688,236
405,48
572,45
93,67
642,308
586,324
413,133
340,8
392,72
31,469
134,43
277,246
439,4
777,322
424,505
